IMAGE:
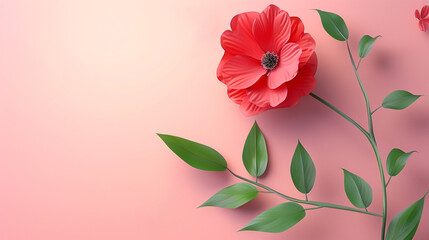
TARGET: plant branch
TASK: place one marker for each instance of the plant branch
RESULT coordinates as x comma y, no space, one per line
375,110
319,204
313,208
340,113
388,181
373,144
368,109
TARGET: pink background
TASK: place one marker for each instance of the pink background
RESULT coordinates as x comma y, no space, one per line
86,84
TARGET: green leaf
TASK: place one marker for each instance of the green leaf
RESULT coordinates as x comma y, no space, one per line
399,100
277,219
334,25
233,196
357,190
255,156
396,161
365,45
404,225
302,170
195,154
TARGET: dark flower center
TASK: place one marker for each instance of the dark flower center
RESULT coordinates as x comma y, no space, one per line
269,60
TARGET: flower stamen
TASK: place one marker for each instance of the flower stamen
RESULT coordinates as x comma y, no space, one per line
269,60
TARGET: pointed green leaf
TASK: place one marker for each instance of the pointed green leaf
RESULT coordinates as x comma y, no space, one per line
404,225
277,219
195,154
334,25
302,170
233,196
365,45
399,100
255,156
357,190
396,161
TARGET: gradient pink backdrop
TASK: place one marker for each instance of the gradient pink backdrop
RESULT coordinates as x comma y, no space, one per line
86,84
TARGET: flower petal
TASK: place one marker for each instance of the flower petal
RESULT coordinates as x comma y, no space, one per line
287,67
237,95
250,109
291,100
312,63
425,11
242,72
302,85
263,96
240,40
422,25
272,29
296,29
417,14
241,26
307,44
236,43
225,58
243,22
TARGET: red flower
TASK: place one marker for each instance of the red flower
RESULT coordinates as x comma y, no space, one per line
269,61
423,17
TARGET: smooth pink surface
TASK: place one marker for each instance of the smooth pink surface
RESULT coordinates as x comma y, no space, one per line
86,84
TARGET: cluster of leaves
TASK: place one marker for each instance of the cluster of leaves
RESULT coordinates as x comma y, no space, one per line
303,173
255,160
335,26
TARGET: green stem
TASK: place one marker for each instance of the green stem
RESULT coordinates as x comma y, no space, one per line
388,181
377,155
314,203
375,110
340,113
360,59
383,184
373,144
368,108
312,208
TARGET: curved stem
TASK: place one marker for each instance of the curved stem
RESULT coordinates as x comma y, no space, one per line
388,181
340,113
375,110
369,135
377,155
383,184
373,144
314,203
368,108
